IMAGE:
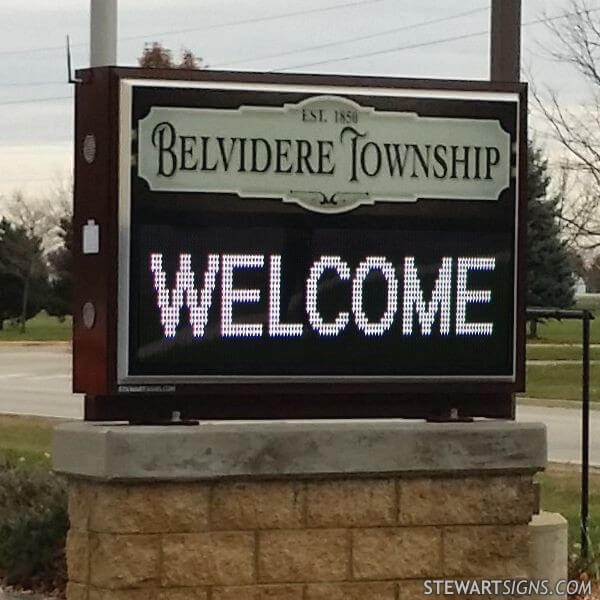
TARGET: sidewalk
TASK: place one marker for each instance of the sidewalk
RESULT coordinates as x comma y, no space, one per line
547,363
553,403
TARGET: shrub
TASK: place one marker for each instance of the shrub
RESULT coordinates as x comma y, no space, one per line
33,526
590,566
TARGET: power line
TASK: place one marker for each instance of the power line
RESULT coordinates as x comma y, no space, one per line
207,27
305,49
35,100
256,19
25,179
32,83
361,55
357,39
387,50
420,44
32,50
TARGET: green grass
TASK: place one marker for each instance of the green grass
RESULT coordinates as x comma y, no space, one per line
560,493
565,332
569,332
560,381
40,328
25,440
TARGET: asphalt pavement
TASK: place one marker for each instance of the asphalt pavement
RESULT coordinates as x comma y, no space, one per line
564,431
36,380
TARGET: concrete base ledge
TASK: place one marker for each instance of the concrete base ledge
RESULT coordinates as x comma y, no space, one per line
273,449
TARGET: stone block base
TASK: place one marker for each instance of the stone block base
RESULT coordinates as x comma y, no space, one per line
316,539
365,536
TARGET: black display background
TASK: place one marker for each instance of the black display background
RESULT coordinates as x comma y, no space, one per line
200,224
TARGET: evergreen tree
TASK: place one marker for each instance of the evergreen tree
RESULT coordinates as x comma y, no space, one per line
60,299
23,273
550,281
10,297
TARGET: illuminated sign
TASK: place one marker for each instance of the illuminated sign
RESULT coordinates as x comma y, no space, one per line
316,235
279,246
198,302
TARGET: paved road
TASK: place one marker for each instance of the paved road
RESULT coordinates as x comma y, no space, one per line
35,380
564,431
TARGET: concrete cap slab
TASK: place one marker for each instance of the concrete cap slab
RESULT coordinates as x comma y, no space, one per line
548,520
277,449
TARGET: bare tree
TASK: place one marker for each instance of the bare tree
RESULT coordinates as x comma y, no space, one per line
38,217
576,42
21,248
35,234
58,206
59,200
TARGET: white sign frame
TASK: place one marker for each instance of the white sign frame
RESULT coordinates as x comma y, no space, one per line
140,383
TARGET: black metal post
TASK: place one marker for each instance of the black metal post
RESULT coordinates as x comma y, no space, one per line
586,317
505,47
585,435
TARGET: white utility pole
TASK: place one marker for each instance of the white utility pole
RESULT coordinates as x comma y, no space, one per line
103,33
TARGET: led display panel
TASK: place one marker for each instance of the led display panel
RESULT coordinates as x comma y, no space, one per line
314,233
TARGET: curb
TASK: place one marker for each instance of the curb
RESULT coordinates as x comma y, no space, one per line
554,403
555,466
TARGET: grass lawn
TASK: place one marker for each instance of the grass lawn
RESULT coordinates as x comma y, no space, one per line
560,381
561,493
569,332
566,332
25,440
40,328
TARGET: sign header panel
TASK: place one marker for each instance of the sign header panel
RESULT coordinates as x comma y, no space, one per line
328,154
313,234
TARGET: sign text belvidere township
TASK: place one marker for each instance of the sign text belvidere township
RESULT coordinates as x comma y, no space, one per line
326,154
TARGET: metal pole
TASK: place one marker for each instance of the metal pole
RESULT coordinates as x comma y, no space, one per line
585,435
505,47
103,33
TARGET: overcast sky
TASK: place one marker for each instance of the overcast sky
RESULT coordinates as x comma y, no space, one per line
36,108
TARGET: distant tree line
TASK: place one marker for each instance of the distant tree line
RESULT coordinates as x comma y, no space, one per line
156,56
36,238
35,257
